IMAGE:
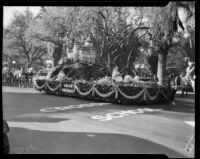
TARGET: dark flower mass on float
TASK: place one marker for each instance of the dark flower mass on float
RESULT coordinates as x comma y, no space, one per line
123,93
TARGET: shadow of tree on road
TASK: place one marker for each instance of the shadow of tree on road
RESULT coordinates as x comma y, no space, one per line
38,119
41,142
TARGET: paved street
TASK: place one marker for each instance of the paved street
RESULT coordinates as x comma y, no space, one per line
41,124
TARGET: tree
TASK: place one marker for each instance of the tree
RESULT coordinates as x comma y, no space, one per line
56,27
17,44
153,62
116,40
165,23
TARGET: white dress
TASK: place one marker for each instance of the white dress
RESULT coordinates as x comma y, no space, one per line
61,75
136,78
128,78
49,74
116,76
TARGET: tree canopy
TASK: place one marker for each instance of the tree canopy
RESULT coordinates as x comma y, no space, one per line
121,34
17,45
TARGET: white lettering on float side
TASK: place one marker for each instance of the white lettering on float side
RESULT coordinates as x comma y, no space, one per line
54,109
68,90
122,114
69,85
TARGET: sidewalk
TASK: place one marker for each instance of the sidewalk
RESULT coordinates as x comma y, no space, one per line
185,103
9,89
190,98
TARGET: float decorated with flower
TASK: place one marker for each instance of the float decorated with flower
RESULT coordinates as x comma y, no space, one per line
104,89
84,78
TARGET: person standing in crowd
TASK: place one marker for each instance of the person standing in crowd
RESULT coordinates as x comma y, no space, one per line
193,82
168,80
190,72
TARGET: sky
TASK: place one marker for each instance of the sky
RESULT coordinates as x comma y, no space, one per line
8,12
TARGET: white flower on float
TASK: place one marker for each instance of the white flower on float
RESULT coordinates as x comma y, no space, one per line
141,49
142,66
151,43
137,66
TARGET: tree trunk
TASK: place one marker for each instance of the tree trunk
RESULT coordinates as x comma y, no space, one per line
130,59
57,53
161,73
28,59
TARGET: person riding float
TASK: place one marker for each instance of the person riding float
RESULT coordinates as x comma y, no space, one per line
116,75
136,78
128,78
60,76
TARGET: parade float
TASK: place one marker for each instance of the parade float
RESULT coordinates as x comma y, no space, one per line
104,89
85,79
134,93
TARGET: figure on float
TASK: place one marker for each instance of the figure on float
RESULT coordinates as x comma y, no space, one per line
116,75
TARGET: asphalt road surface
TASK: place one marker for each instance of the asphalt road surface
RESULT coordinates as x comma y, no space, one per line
47,124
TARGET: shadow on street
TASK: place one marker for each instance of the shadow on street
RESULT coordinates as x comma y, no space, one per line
45,100
40,142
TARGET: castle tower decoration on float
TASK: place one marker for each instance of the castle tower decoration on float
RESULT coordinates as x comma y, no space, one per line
76,51
83,53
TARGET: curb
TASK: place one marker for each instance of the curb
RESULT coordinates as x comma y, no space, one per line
18,90
185,100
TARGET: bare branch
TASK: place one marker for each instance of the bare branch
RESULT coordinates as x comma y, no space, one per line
132,33
38,57
46,39
117,57
129,56
30,47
